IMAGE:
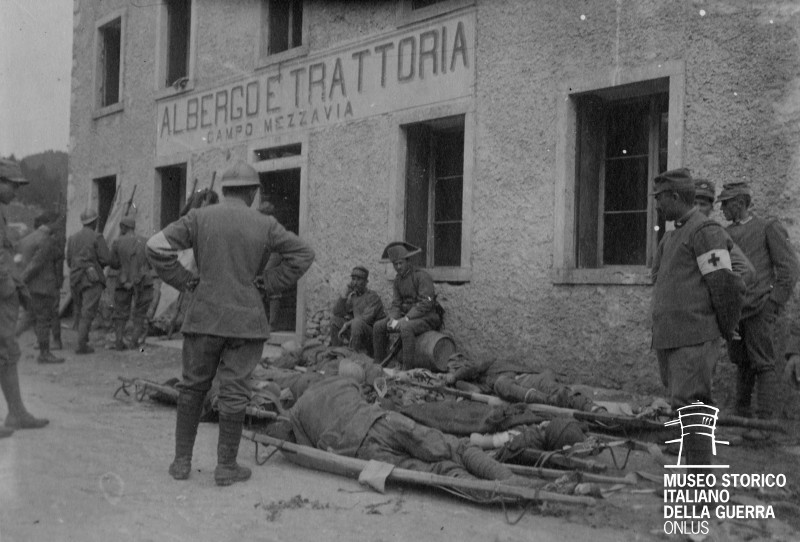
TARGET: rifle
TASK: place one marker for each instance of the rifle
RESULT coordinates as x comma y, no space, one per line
129,203
189,199
147,388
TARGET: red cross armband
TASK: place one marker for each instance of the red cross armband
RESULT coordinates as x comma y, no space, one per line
714,260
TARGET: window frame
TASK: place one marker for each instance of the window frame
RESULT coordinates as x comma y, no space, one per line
463,272
565,269
407,15
100,110
161,55
263,57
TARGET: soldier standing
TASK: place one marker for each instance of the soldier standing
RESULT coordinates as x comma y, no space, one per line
42,260
87,254
766,244
696,299
225,326
135,283
12,293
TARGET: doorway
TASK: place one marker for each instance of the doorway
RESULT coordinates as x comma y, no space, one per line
282,189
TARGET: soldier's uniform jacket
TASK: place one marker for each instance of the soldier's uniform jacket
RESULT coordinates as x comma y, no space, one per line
129,256
414,297
683,311
333,416
41,261
767,246
367,307
231,245
87,255
8,270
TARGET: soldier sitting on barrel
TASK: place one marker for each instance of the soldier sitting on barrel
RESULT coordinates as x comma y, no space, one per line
413,309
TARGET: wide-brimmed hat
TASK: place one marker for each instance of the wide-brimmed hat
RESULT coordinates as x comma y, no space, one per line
11,171
88,216
128,222
731,190
360,272
703,188
675,180
399,250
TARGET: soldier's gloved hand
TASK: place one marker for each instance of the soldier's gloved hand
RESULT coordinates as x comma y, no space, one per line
191,284
791,373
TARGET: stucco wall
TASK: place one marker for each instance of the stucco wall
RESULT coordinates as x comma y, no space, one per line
742,106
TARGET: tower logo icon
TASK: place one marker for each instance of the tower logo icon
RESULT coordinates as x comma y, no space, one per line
698,419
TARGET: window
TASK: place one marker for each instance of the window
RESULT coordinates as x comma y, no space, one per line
418,4
178,27
434,190
283,24
110,62
411,11
173,192
105,189
621,145
617,129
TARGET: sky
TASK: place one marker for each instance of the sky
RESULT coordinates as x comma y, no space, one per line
35,71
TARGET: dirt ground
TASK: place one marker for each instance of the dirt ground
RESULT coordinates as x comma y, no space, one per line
99,472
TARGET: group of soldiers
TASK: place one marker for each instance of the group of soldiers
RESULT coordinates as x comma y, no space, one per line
710,282
713,282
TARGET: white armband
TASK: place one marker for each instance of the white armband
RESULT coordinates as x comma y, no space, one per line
714,260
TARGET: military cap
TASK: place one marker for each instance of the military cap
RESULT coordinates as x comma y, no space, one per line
88,216
703,188
128,222
731,190
360,272
10,171
240,174
676,180
399,250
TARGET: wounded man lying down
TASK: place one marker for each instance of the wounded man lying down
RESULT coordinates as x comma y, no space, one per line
332,415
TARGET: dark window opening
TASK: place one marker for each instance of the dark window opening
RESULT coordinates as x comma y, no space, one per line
179,16
284,25
274,153
621,145
282,189
173,193
110,56
106,190
434,190
419,4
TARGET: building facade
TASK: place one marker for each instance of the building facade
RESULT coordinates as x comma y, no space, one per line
513,140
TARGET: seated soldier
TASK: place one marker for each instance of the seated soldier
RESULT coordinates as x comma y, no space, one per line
413,310
355,313
516,383
332,415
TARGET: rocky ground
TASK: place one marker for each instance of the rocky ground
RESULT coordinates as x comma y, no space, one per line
99,472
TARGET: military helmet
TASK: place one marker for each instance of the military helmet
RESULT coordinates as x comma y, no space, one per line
88,216
240,174
10,171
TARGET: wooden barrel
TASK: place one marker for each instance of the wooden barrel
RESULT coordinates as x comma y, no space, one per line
433,349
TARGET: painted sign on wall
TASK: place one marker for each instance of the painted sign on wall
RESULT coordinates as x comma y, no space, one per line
427,65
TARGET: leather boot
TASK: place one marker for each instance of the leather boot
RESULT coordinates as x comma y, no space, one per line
18,416
508,389
138,335
45,356
83,337
744,391
190,407
228,471
766,392
119,335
